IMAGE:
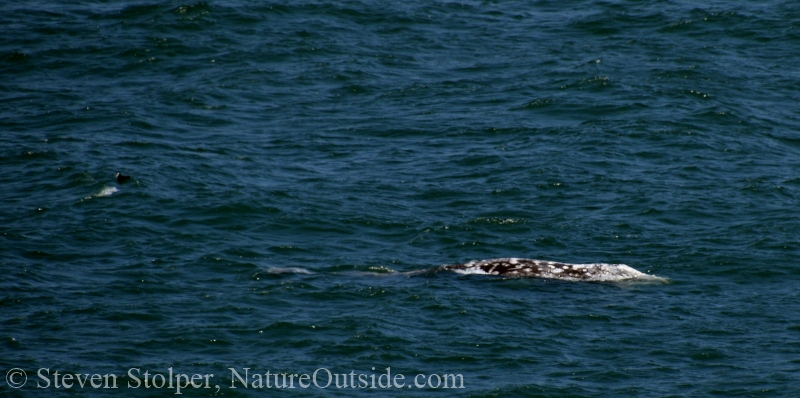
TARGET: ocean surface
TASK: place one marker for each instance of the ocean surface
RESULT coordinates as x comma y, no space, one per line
301,170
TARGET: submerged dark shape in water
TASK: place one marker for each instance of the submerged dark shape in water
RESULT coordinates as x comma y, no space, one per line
121,178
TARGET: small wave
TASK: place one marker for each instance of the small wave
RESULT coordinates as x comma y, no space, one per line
381,270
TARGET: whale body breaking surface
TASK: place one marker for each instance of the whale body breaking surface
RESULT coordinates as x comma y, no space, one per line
527,268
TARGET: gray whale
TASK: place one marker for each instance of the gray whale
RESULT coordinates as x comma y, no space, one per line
527,268
522,268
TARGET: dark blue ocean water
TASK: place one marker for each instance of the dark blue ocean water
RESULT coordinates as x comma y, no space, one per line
290,162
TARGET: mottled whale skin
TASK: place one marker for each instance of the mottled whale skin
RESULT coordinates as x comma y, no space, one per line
523,268
527,268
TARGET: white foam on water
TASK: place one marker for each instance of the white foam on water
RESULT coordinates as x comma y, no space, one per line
106,191
290,270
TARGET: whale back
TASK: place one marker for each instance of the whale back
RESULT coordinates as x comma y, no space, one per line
523,267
